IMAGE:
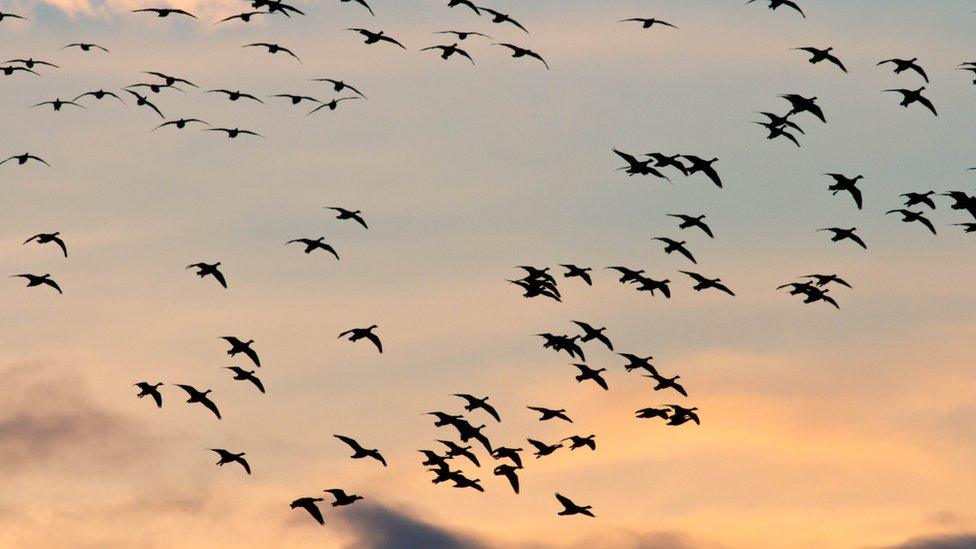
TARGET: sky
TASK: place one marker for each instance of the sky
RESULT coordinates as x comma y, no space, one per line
820,428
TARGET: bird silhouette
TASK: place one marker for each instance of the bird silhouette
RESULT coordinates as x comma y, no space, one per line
672,246
37,280
455,450
331,105
591,333
99,94
448,50
9,70
232,133
823,280
909,216
341,497
504,452
550,413
230,457
142,101
577,441
234,95
361,3
296,99
647,23
704,283
848,184
510,472
688,222
154,87
151,390
355,334
817,55
164,12
44,238
180,123
5,15
374,37
580,272
242,347
915,96
272,49
662,160
169,80
639,167
241,374
499,17
593,374
968,227
563,343
244,17
339,85
542,449
463,35
316,244
518,51
681,415
196,396
635,362
773,4
474,403
914,199
206,269
359,452
780,120
699,164
570,508
56,104
23,158
667,383
309,504
466,3
804,104
85,46
777,130
651,413
276,6
647,284
902,65
844,234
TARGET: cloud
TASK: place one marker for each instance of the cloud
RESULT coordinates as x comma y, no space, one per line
379,527
950,541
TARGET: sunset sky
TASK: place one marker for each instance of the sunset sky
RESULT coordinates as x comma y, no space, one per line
820,428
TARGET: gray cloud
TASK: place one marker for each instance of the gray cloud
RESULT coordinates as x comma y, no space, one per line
949,541
378,527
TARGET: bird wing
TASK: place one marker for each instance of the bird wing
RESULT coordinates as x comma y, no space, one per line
376,341
61,244
920,71
491,411
565,501
724,288
257,383
793,5
684,251
856,193
210,405
928,104
833,59
54,284
857,239
927,223
315,512
244,464
252,354
392,41
158,398
220,278
351,442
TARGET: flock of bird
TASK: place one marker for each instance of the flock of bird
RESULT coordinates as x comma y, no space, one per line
536,281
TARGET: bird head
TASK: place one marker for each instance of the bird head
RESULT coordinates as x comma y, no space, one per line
250,341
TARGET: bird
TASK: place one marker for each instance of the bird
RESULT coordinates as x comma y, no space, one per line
179,123
635,362
356,334
463,35
142,101
99,94
154,87
170,80
44,238
542,449
647,23
85,46
331,105
461,481
316,244
230,457
433,459
570,508
205,269
704,166
823,280
361,3
467,3
589,373
646,284
577,441
580,272
359,451
23,158
913,199
343,214
682,415
341,497
309,505
276,6
638,167
272,49
242,347
773,4
241,374
675,246
30,62
5,15
777,130
235,94
968,227
196,396
563,343
550,413
518,51
152,390
902,65
56,104
591,333
504,452
473,403
374,37
448,51
844,234
339,85
915,96
510,473
651,413
244,17
688,222
817,55
663,161
499,17
37,280
804,104
232,133
164,12
781,120
455,450
296,99
909,216
843,183
667,383
466,432
704,283
9,70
